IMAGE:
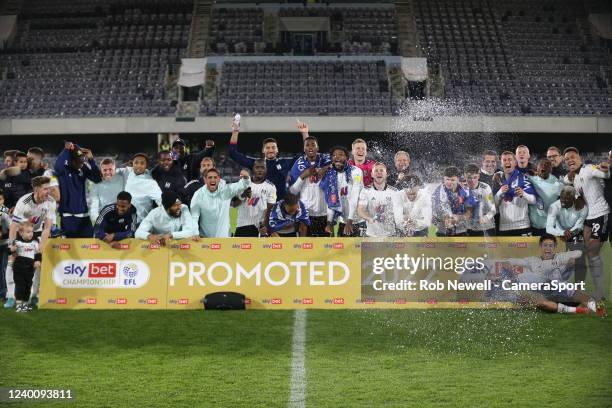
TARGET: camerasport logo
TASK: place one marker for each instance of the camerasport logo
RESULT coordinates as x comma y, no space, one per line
101,273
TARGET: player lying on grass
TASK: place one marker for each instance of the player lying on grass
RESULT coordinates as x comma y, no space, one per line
548,268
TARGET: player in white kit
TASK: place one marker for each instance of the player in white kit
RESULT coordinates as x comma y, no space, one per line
38,208
376,206
588,180
255,203
304,179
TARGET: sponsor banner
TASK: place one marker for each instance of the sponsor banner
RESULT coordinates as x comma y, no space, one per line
89,274
299,273
272,273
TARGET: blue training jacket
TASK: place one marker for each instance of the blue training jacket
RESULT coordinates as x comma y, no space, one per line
72,183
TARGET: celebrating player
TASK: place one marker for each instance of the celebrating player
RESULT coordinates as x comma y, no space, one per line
360,160
482,222
588,183
512,199
451,205
376,205
341,185
304,180
416,207
255,203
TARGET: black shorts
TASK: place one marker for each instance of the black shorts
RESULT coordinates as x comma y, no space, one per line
599,227
317,227
247,231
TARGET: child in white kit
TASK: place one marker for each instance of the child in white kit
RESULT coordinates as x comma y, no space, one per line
26,251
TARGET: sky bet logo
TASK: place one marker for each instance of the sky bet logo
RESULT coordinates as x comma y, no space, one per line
102,270
101,273
94,270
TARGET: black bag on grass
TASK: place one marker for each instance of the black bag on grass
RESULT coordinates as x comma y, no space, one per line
224,301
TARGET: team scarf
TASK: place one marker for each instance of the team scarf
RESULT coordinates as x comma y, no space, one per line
519,180
302,163
329,185
455,202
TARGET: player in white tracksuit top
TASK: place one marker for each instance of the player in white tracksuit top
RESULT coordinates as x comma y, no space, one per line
589,184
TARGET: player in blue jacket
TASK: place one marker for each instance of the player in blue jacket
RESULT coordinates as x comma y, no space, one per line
116,221
73,167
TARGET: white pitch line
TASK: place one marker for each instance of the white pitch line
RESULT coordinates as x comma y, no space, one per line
297,397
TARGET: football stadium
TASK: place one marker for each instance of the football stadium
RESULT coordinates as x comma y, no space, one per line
306,203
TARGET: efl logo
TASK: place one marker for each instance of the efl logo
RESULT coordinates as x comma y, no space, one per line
277,245
245,246
151,301
464,301
94,246
154,246
400,301
432,301
307,245
399,245
121,301
91,301
64,247
183,301
215,246
307,301
338,301
61,301
459,245
185,246
338,245
277,301
124,246
102,270
521,245
369,301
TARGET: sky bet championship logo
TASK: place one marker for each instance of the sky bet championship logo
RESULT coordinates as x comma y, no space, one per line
101,273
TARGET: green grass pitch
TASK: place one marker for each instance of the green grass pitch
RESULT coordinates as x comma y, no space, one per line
363,358
376,358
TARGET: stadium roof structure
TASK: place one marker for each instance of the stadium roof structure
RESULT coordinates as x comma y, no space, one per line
267,124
